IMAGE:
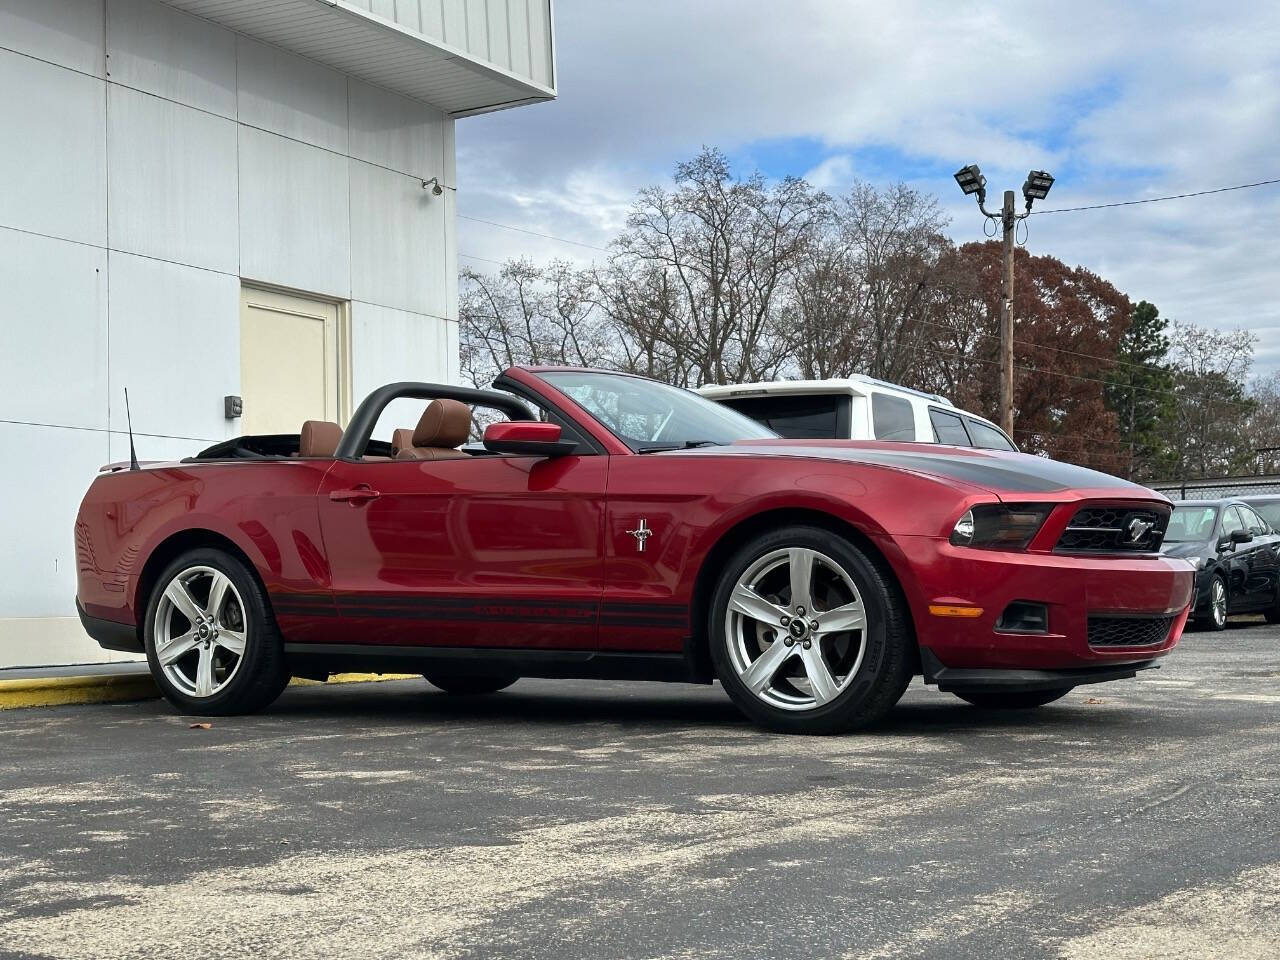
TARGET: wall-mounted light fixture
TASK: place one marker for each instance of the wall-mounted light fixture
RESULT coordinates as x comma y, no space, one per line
433,185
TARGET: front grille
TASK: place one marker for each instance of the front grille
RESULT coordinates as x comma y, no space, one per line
1128,631
1114,530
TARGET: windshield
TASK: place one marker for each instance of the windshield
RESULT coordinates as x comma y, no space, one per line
1190,524
650,416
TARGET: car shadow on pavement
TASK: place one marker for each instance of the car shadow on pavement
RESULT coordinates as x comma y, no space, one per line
660,706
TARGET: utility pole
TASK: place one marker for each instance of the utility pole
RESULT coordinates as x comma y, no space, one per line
1009,222
1035,188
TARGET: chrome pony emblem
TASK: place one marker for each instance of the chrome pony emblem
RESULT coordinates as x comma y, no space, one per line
642,533
1136,528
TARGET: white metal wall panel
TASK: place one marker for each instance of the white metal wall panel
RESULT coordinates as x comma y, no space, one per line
155,48
397,241
454,22
294,214
65,32
37,564
540,42
291,95
175,343
499,42
518,34
53,161
172,190
396,132
389,345
53,336
476,41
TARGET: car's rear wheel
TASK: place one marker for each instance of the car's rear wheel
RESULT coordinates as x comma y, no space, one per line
1214,615
1272,613
469,685
211,641
1022,700
809,634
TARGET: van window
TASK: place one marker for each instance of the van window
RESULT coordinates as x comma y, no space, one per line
988,437
892,417
797,416
948,428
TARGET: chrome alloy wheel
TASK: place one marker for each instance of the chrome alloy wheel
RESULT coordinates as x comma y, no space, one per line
796,629
200,631
1218,602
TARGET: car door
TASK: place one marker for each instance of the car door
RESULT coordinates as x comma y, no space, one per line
1261,580
1236,559
495,551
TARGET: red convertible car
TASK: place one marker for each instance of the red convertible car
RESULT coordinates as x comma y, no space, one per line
609,526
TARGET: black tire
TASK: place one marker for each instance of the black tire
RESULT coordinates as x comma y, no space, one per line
1014,700
889,651
469,685
262,673
1206,618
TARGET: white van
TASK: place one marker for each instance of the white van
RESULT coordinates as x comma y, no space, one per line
858,408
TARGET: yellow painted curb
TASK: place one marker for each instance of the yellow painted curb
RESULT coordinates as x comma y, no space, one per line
59,691
353,678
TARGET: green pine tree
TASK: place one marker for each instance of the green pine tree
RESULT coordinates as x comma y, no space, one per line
1140,393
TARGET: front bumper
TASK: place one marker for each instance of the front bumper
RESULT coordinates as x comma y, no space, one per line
1072,588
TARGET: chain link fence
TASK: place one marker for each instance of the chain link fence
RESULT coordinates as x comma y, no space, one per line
1213,488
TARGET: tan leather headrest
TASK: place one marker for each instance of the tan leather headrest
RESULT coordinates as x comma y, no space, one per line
401,439
319,439
445,423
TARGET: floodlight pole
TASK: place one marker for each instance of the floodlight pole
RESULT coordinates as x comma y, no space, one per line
1008,218
1009,221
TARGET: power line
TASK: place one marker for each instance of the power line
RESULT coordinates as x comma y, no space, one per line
533,233
1176,196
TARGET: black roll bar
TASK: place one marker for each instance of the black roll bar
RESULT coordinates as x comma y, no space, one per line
356,437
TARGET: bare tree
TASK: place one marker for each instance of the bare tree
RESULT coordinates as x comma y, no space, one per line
712,255
1212,409
528,314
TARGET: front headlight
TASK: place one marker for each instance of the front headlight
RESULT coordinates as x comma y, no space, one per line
1000,526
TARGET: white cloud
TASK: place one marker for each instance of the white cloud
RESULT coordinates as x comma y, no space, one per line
1118,100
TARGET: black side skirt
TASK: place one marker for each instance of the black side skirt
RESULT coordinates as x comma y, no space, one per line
950,679
314,658
109,634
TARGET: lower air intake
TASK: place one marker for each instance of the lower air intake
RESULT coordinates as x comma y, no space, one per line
1129,631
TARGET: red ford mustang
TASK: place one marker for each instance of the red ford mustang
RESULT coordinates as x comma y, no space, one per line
610,526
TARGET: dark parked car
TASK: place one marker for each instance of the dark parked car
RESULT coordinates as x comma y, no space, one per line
1237,557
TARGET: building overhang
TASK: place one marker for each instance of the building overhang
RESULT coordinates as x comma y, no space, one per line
359,43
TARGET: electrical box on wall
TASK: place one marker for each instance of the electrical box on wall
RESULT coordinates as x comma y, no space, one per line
232,407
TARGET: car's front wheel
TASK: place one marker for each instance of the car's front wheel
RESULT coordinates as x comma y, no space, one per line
809,633
1021,700
211,640
1214,615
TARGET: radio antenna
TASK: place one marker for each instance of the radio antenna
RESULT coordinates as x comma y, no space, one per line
133,454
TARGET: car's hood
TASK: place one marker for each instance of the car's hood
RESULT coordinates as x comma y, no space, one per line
997,471
1189,550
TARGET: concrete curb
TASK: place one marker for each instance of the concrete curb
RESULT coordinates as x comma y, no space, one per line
123,688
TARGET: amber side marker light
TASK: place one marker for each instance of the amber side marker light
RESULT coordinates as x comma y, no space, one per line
947,610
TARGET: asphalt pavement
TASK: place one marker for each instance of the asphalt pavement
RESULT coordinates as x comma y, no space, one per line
586,819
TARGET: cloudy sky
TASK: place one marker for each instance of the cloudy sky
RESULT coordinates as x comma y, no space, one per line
1119,101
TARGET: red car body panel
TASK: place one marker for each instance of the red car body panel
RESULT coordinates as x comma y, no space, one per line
529,553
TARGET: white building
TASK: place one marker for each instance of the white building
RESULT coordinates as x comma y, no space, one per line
203,199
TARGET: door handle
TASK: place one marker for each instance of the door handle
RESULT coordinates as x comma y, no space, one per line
355,495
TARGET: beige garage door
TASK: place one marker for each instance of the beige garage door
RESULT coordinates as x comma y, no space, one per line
292,361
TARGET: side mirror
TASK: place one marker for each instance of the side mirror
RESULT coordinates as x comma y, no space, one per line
1241,536
530,438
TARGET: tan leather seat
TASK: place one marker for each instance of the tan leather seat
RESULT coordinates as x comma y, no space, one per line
319,439
445,424
401,439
